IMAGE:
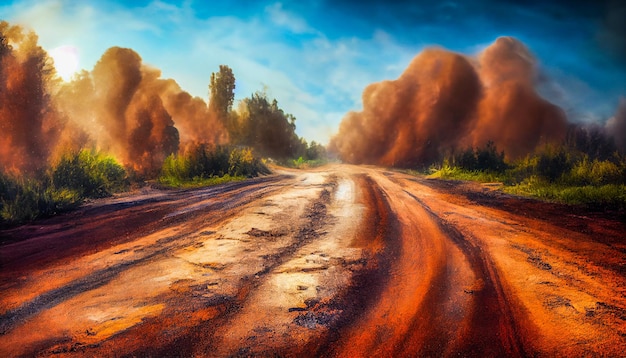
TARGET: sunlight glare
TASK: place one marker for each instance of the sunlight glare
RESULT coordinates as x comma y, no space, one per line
65,61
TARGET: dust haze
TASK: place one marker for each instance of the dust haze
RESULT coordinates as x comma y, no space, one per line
122,106
445,102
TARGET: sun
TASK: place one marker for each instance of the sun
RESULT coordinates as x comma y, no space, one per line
65,61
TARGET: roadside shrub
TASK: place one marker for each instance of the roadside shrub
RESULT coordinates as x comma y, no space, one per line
241,162
25,200
595,173
484,159
76,176
90,174
175,167
206,162
552,163
553,173
202,164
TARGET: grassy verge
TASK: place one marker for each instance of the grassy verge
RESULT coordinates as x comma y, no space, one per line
456,173
198,182
599,195
204,166
566,174
302,163
62,187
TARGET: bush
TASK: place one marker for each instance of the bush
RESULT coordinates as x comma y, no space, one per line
25,200
554,173
241,162
76,176
552,163
202,164
483,159
90,174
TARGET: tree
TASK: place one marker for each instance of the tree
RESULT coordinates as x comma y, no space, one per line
222,93
267,128
315,151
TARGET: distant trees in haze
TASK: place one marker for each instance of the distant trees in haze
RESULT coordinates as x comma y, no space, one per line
258,122
264,126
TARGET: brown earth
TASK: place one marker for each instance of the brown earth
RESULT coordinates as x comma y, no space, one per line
341,261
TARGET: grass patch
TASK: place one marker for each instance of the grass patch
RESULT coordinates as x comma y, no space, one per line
302,163
77,176
198,182
456,173
608,196
205,166
554,175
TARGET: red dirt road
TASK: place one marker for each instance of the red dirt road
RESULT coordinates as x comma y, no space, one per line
340,261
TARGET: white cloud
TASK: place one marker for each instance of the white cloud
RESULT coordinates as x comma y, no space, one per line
288,20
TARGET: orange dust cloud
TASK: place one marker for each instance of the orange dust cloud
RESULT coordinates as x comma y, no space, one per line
122,107
444,102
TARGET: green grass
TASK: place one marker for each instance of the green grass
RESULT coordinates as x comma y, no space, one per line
456,173
64,186
197,182
591,188
608,196
302,163
206,166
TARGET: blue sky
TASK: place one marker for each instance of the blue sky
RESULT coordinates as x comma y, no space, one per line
316,57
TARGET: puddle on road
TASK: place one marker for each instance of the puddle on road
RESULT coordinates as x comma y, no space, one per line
344,191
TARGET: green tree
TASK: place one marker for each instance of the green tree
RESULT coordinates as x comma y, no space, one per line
222,93
315,151
268,129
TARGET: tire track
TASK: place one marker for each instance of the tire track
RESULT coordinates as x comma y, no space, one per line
492,319
425,308
379,237
97,227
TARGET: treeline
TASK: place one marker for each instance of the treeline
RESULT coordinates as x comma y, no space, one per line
586,169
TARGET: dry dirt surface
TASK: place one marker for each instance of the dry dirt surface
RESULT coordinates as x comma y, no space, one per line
340,261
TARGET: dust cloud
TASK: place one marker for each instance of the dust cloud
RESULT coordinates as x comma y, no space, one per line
126,108
27,120
444,102
122,106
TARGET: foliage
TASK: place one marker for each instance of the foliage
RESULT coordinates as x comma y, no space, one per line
90,174
315,152
608,196
222,92
207,165
453,172
77,176
554,173
197,182
552,163
302,163
486,159
267,128
591,141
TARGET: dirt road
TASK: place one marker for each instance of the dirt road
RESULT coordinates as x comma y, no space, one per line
340,261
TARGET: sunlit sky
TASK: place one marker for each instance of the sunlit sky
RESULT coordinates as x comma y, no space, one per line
316,57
